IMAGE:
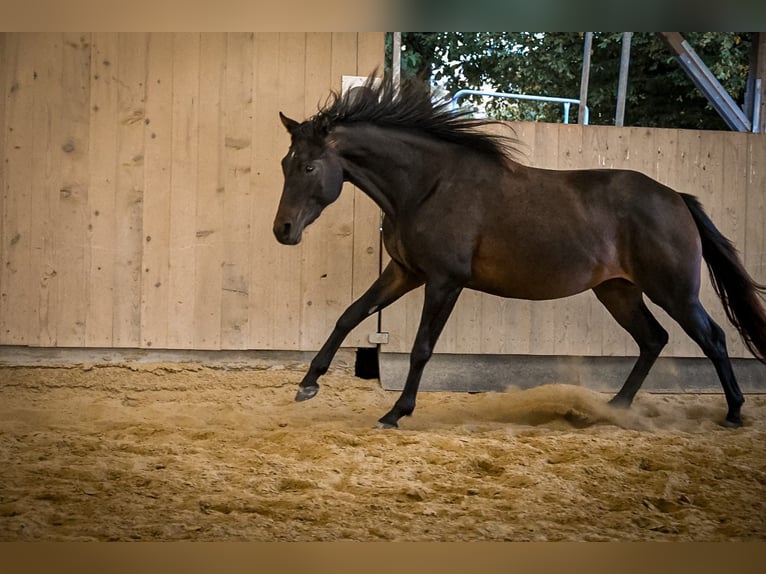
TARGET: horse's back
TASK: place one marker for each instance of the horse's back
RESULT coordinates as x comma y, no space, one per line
551,234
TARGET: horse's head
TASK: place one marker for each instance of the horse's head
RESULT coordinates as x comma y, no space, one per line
313,180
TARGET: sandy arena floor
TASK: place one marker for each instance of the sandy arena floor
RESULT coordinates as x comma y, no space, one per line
190,452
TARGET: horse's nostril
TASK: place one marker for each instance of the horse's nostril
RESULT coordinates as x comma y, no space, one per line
282,231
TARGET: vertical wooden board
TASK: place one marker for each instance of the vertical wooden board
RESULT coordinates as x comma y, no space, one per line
398,318
72,262
275,302
183,191
572,330
237,198
638,151
516,314
367,215
158,138
695,175
328,242
641,150
463,317
370,52
18,282
67,267
339,223
4,164
464,329
286,276
58,225
130,75
615,340
45,124
413,305
463,332
687,168
524,133
634,149
366,261
668,156
617,150
595,147
734,186
9,45
210,228
545,150
607,336
666,153
503,324
102,190
708,174
43,207
734,213
755,221
545,155
270,141
714,197
506,323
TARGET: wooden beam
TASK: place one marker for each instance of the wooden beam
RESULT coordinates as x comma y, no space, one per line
703,78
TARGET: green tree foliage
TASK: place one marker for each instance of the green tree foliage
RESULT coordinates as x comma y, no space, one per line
659,92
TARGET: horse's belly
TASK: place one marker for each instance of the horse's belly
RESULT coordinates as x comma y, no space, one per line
541,276
529,289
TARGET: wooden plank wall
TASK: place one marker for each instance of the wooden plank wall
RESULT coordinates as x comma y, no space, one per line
727,171
140,177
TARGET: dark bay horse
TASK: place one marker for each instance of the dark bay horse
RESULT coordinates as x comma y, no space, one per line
460,213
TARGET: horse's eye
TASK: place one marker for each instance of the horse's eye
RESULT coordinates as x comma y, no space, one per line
308,168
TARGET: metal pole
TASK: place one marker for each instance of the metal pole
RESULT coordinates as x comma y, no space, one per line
396,59
584,78
704,79
622,84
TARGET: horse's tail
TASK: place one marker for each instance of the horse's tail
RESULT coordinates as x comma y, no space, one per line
742,297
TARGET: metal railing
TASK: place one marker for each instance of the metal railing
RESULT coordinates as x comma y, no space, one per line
566,102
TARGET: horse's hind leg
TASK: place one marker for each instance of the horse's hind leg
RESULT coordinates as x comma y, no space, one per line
626,304
695,320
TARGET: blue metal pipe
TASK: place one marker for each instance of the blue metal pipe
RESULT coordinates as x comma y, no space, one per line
565,101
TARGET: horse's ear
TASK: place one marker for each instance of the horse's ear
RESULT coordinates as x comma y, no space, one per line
290,125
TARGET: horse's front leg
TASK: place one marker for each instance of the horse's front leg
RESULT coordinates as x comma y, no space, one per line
440,299
394,282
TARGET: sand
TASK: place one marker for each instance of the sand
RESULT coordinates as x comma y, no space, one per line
169,451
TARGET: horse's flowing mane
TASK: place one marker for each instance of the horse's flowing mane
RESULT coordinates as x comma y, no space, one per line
378,102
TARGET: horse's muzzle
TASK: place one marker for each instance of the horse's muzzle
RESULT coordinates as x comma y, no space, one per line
286,234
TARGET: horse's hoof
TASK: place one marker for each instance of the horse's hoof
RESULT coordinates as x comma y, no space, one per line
620,403
306,393
382,425
731,424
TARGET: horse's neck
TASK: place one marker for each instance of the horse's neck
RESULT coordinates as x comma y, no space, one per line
384,163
